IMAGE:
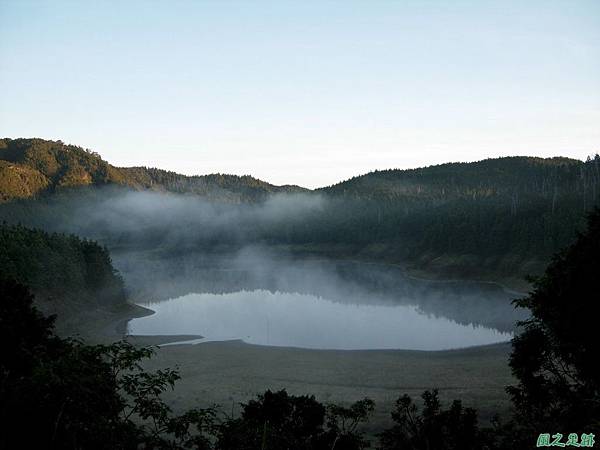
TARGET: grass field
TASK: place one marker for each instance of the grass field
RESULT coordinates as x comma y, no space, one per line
228,373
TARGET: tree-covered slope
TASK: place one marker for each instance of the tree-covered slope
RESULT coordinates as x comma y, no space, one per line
511,177
495,218
505,214
59,266
68,274
30,167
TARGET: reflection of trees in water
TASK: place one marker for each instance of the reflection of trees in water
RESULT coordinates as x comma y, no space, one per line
156,279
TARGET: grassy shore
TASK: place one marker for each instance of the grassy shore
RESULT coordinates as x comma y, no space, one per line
227,373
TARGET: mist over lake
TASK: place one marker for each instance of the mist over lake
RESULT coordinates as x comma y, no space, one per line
268,298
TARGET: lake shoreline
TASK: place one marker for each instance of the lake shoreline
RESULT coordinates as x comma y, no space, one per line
232,372
116,327
311,321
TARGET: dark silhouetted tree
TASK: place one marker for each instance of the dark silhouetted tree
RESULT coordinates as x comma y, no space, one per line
455,428
555,357
61,394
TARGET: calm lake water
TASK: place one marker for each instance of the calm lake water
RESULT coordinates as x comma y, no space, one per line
309,321
269,299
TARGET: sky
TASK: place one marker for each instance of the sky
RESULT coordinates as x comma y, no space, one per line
303,92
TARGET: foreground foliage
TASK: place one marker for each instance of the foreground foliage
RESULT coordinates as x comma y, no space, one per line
434,428
556,357
78,396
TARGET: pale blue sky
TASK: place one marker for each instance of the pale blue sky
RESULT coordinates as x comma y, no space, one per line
304,92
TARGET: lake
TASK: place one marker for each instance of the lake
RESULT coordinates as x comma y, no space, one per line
309,321
269,299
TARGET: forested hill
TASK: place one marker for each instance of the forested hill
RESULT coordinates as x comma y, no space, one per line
504,215
68,275
509,176
29,167
493,219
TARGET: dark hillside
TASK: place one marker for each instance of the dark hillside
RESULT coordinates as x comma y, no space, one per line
67,274
496,215
511,177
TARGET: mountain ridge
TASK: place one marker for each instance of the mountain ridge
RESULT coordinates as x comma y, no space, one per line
33,166
484,177
489,219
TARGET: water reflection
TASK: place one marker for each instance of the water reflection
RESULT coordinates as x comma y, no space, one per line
158,278
309,321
